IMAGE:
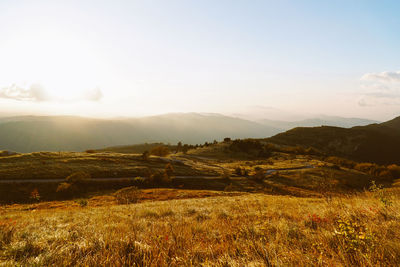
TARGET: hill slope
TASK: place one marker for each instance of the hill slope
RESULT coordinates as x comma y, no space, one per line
55,133
378,143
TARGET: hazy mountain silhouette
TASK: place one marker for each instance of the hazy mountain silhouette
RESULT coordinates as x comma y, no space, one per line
54,133
318,121
378,143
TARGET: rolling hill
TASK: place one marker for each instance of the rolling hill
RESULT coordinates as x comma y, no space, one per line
379,143
69,133
318,121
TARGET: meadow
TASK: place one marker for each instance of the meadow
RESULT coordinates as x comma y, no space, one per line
305,210
219,229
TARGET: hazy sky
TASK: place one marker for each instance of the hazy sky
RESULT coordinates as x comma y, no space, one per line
129,58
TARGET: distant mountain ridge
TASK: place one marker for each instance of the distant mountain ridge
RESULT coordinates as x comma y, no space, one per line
56,133
379,143
318,121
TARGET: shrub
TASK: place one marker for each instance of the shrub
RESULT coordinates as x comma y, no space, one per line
78,177
354,237
139,180
226,174
246,146
341,162
160,151
7,231
230,188
82,202
65,189
127,195
238,171
394,170
381,194
259,174
145,155
169,170
35,195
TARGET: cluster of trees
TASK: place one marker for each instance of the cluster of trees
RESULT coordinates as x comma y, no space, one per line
250,146
391,171
165,150
73,183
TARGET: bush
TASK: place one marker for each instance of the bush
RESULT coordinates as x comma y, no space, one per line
341,162
64,188
82,202
246,146
127,195
35,195
169,170
238,171
160,151
78,177
394,170
259,174
146,155
226,174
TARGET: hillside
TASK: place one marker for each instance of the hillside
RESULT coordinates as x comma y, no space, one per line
68,133
377,143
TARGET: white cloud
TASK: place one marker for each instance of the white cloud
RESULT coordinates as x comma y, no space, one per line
94,95
386,76
34,92
37,93
380,89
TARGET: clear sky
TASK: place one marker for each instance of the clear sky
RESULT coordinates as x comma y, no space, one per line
132,58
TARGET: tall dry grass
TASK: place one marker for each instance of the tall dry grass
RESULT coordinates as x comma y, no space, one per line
251,229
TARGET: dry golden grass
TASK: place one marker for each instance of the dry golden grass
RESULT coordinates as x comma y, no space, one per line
245,230
48,165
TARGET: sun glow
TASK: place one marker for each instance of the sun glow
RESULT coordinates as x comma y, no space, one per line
63,65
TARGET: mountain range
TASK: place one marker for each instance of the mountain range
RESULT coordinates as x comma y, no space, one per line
56,133
317,121
73,133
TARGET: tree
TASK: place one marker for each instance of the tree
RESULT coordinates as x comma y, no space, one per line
160,151
146,155
179,146
259,175
169,170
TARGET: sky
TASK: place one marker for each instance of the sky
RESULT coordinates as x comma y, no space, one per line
272,59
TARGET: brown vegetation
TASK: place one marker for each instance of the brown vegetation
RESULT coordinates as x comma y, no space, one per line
251,229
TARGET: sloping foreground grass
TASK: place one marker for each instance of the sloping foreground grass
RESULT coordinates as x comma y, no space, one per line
251,229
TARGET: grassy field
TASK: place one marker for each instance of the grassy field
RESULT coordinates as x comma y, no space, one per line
307,211
216,229
49,165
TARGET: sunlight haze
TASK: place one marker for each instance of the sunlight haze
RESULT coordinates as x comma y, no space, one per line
136,58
